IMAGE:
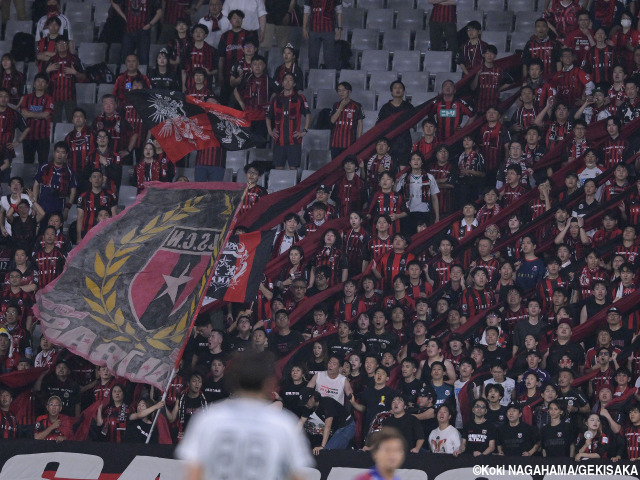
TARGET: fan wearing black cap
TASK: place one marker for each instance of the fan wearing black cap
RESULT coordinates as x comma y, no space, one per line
516,438
323,193
621,336
425,409
331,427
61,385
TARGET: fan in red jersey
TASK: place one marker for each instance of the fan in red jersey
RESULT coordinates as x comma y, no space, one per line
571,82
140,17
90,202
346,119
64,70
125,79
37,109
542,47
470,54
489,81
450,111
428,142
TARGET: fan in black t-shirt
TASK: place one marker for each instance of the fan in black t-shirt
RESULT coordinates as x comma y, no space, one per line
479,435
557,438
375,399
408,425
516,437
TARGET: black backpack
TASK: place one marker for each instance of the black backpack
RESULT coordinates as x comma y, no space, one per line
99,73
23,47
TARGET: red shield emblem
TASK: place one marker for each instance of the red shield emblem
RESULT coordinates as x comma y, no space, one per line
163,285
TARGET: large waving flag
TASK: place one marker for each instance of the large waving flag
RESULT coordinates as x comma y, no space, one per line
130,291
182,124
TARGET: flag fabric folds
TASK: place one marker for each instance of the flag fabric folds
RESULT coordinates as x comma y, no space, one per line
241,266
131,289
182,124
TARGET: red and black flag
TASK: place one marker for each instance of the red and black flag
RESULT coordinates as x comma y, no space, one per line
132,288
240,267
182,124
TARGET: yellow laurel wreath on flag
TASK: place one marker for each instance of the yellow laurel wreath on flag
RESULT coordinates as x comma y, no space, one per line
106,268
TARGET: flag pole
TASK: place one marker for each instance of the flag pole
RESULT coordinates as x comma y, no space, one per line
197,311
164,397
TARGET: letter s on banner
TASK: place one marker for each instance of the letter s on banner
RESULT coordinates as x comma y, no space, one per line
72,466
142,467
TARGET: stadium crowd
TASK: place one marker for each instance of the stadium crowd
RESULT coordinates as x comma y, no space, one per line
516,383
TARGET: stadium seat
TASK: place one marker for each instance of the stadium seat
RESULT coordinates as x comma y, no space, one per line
397,40
92,53
364,39
416,81
357,78
83,31
353,18
142,68
440,77
101,12
419,98
260,155
410,19
400,4
381,80
499,20
281,179
318,159
228,175
425,5
498,38
153,53
115,51
15,26
519,39
422,41
520,6
306,174
465,16
274,59
438,61
24,170
325,98
366,98
127,195
406,61
79,12
236,160
315,140
525,22
383,97
491,5
321,79
86,91
370,117
380,18
61,131
190,173
104,89
367,4
375,61
92,109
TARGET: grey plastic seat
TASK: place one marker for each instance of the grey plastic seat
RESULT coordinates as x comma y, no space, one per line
406,61
497,38
499,20
92,53
422,42
318,159
321,79
419,98
86,91
236,160
410,19
415,82
380,18
397,40
400,4
491,5
325,98
353,18
440,77
525,21
375,61
438,61
367,4
521,5
61,131
369,121
364,39
357,78
518,40
380,81
281,179
316,140
260,155
465,16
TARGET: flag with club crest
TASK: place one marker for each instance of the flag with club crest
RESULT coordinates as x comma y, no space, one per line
182,124
130,291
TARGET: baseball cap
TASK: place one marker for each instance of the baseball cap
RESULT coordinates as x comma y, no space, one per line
567,321
427,391
614,309
324,188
